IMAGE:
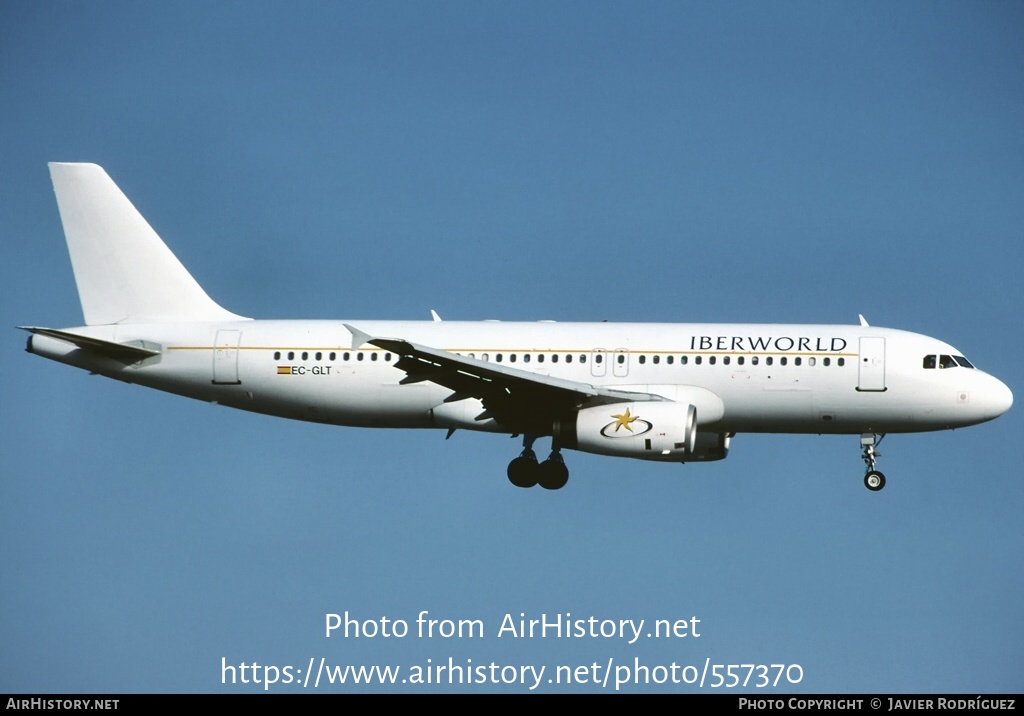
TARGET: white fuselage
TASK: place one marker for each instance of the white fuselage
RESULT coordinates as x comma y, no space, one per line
652,391
769,378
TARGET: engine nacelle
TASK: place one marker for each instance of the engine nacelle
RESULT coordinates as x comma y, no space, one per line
649,431
709,447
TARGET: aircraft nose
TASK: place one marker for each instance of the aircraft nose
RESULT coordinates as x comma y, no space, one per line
994,398
1001,397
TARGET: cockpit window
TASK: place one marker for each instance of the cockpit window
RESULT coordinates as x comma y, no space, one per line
946,362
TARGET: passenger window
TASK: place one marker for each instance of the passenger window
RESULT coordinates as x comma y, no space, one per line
754,360
812,361
319,355
712,360
669,360
797,360
621,359
498,357
387,357
333,356
277,355
540,358
373,356
346,356
484,357
783,360
359,355
725,360
291,355
583,359
740,360
643,359
826,362
841,362
511,357
526,358
768,360
568,358
554,357
683,360
697,360
656,359
305,355
597,358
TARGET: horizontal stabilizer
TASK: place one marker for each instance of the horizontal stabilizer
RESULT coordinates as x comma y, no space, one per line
124,352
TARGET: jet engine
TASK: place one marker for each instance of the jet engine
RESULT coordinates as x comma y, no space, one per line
709,447
649,430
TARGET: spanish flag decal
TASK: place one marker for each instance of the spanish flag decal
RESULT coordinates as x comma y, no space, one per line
284,370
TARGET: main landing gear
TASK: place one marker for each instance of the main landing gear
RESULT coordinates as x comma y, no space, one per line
873,479
525,471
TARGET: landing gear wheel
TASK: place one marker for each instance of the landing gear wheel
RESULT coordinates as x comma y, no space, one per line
553,474
524,471
874,480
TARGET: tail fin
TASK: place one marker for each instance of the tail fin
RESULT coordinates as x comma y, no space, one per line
124,271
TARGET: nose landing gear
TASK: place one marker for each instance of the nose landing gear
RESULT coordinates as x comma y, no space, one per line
873,479
525,471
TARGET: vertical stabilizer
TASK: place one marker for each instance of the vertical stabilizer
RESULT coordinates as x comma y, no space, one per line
124,271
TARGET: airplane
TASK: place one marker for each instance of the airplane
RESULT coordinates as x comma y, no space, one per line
650,391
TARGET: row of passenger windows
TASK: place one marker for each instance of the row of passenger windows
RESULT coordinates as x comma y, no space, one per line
332,356
620,358
740,360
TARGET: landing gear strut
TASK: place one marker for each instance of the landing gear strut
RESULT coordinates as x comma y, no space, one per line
873,479
525,471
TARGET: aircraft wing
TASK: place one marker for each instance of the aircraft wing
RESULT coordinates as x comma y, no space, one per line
518,399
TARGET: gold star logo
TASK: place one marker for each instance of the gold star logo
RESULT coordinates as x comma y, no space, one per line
624,420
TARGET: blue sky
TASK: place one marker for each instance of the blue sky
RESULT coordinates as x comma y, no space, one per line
748,162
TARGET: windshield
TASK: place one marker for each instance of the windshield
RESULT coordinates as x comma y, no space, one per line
942,361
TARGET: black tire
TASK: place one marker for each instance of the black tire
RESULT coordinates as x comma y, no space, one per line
553,475
874,481
523,471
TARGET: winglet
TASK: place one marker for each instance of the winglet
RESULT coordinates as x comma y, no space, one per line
863,321
359,338
434,315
